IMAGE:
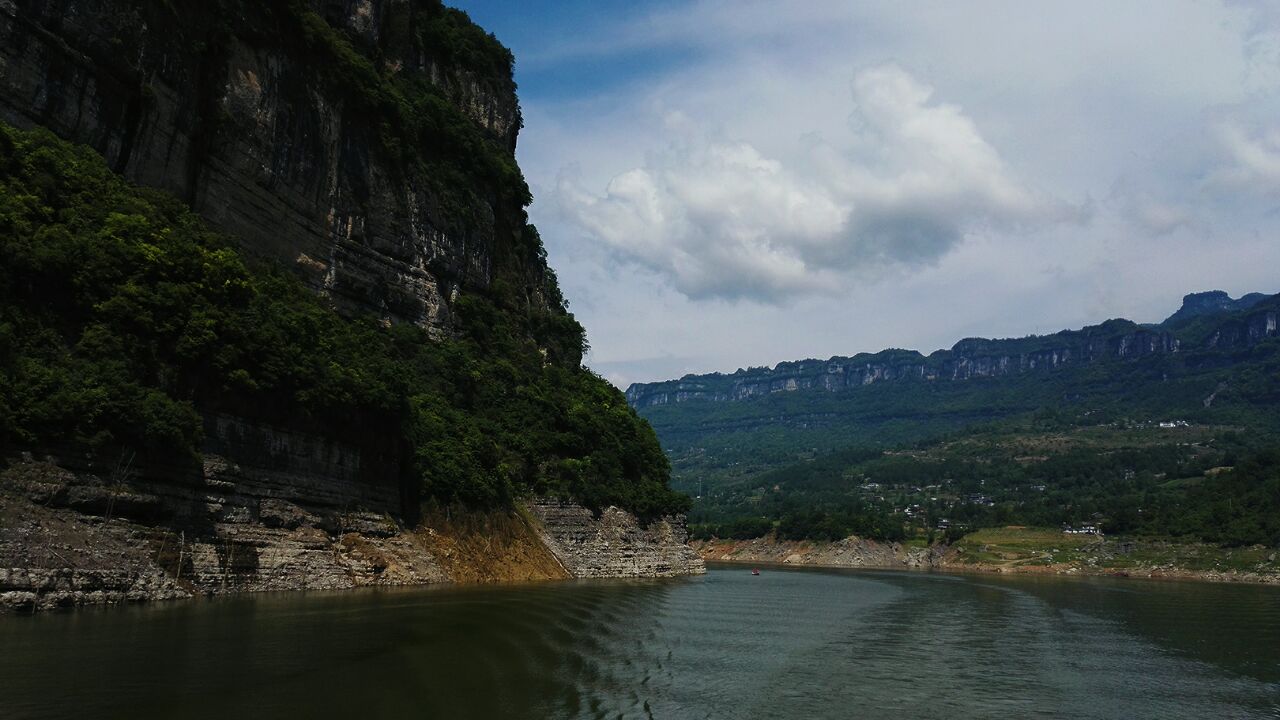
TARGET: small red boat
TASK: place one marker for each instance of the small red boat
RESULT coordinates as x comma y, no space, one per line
755,571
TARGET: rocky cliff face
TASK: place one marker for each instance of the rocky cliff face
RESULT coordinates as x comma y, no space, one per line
290,513
973,358
1253,327
968,359
369,146
255,115
615,544
278,509
1212,302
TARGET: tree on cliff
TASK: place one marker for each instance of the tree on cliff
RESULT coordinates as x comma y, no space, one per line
123,318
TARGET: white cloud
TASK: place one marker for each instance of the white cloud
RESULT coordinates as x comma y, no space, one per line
1253,157
691,173
1159,218
904,184
1150,213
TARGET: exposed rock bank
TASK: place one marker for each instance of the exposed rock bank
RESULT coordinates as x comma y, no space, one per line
849,552
854,552
615,544
76,538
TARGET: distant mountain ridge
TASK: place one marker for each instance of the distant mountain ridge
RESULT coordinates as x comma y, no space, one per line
1213,302
1206,321
1121,421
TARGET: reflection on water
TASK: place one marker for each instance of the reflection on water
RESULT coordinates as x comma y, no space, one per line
787,644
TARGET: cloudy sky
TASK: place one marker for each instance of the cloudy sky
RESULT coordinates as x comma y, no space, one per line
731,183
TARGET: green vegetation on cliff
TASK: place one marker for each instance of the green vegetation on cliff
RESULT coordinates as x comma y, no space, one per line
123,318
418,90
417,121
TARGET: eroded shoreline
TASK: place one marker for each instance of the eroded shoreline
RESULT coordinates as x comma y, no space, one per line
859,553
69,539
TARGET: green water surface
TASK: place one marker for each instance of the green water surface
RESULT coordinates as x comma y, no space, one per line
785,644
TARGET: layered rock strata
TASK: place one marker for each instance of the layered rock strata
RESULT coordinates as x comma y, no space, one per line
73,538
969,359
615,543
231,111
281,509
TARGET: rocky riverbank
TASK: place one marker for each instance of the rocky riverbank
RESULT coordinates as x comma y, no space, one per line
850,552
76,538
615,543
1014,551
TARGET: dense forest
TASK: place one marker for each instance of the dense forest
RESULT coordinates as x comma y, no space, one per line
1205,483
123,318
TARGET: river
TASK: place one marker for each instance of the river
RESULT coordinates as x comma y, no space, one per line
785,644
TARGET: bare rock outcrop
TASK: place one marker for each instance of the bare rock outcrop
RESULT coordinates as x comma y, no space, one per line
70,538
240,114
615,543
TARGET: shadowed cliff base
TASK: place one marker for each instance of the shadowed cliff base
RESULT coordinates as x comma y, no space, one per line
69,539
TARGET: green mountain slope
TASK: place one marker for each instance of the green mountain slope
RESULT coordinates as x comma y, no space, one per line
797,454
124,320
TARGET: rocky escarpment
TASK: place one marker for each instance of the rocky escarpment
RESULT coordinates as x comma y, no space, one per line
272,508
268,508
77,538
1247,330
367,145
966,360
615,544
1212,302
969,359
288,126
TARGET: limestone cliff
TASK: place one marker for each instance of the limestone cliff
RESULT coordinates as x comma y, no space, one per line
286,523
615,544
973,358
288,125
368,146
1209,303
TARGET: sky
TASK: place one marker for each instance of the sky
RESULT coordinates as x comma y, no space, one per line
734,183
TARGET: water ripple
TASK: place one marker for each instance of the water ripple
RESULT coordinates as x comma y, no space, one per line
787,644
